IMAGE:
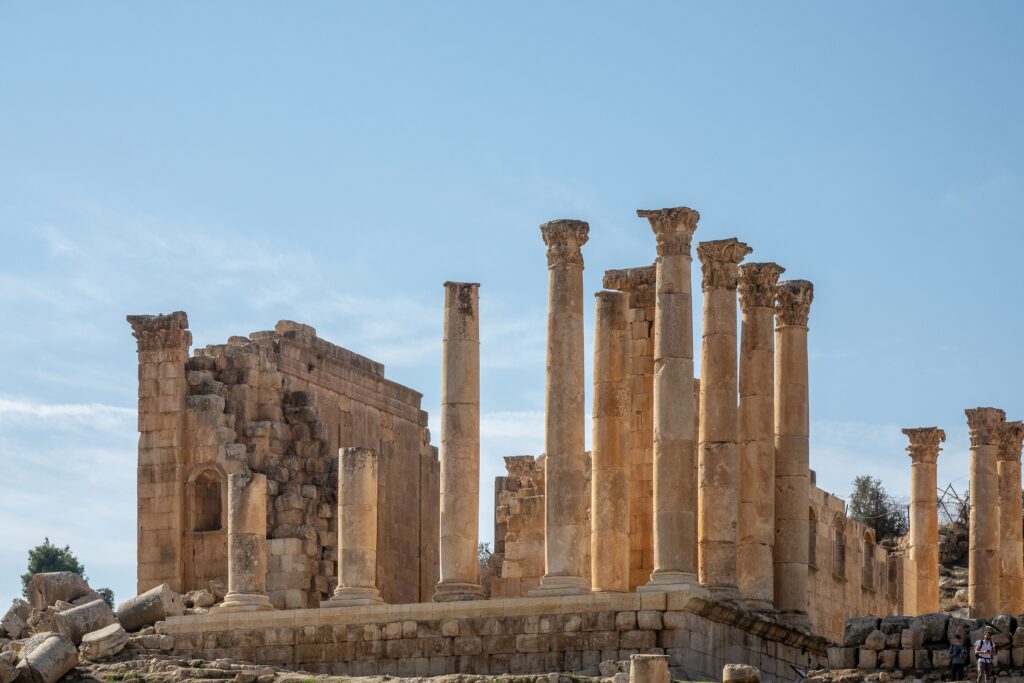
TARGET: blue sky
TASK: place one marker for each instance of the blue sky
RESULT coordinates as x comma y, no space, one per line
335,163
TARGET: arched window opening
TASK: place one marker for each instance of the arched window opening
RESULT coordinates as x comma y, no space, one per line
812,539
869,560
206,502
839,549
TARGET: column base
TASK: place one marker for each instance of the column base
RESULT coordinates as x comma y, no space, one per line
243,602
671,581
727,593
797,620
761,606
560,585
457,591
353,597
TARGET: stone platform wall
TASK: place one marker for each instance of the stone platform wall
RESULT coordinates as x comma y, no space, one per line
534,635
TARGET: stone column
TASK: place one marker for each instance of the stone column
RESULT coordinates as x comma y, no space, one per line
1011,533
792,463
985,425
566,527
922,595
719,459
460,444
357,529
756,534
609,502
247,544
163,346
675,496
638,283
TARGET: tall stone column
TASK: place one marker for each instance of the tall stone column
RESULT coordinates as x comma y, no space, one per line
792,463
609,502
719,459
247,544
985,425
638,283
357,529
565,487
460,444
922,595
756,534
1011,533
675,497
163,346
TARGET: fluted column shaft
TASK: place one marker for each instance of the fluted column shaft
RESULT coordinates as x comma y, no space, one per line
357,529
921,594
718,456
985,425
792,463
565,490
675,496
756,534
460,444
1011,535
247,544
609,502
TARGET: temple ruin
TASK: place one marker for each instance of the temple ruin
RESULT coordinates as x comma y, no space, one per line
293,472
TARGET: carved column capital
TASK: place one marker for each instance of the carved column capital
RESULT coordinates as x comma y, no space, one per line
1011,441
793,302
673,228
564,238
720,262
637,282
757,284
165,331
985,425
924,443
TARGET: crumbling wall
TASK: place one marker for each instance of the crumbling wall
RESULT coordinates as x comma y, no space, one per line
282,403
518,559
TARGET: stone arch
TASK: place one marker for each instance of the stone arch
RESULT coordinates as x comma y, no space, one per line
839,547
206,498
812,537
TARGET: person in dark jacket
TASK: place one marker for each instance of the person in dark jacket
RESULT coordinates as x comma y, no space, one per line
957,658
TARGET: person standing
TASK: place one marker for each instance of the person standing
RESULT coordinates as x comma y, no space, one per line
957,658
985,651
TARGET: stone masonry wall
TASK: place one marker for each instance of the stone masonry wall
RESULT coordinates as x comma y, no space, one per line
532,635
280,403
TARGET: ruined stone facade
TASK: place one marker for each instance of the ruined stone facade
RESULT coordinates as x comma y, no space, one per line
279,403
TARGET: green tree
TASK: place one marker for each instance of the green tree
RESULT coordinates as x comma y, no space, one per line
47,557
873,507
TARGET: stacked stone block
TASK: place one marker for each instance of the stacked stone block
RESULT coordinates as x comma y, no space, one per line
518,559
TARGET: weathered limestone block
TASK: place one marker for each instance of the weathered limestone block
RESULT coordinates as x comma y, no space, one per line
867,659
150,607
15,620
740,673
74,623
921,659
940,659
1017,656
932,627
842,657
46,658
45,589
875,641
856,630
887,659
911,638
1018,637
8,667
905,659
103,643
648,669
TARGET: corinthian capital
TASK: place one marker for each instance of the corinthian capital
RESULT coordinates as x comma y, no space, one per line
564,238
793,302
673,228
924,443
161,331
757,284
720,262
1011,441
985,425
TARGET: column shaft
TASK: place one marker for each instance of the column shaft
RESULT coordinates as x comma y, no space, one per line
985,425
460,444
674,439
247,544
565,489
922,595
1011,534
357,529
719,465
609,503
756,535
792,464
